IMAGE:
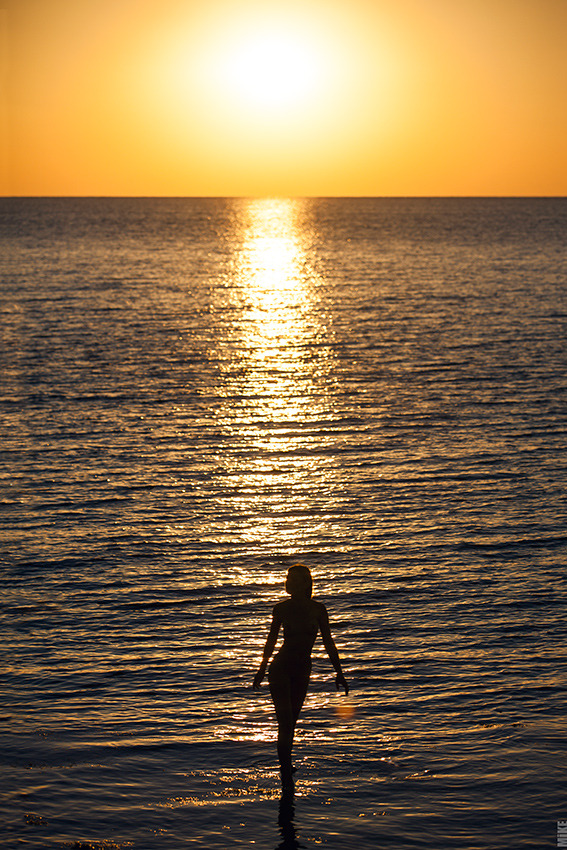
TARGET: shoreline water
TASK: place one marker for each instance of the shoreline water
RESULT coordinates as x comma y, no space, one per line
196,394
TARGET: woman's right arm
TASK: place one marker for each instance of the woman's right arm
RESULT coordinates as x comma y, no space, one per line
269,647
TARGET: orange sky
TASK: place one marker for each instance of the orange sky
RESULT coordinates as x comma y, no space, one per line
281,97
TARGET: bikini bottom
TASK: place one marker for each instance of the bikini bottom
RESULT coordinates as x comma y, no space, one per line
289,674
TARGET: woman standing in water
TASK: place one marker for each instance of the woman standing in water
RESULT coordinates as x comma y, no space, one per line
302,617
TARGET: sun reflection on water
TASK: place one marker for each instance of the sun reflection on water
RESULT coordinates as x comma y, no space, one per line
276,356
284,345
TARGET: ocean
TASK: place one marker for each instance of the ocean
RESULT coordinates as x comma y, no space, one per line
198,393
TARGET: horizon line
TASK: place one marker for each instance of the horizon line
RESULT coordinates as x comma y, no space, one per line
282,197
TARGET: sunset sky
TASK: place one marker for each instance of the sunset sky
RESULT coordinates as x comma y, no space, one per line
284,98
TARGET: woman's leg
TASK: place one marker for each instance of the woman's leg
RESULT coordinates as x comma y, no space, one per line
298,691
280,689
288,693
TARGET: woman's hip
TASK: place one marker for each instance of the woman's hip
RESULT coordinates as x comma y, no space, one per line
289,667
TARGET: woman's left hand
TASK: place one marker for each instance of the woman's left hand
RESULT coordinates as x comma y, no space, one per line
340,681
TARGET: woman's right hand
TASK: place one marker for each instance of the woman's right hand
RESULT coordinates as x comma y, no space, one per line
258,679
340,681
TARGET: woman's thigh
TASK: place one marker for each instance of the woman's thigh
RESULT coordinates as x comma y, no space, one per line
288,687
280,689
298,690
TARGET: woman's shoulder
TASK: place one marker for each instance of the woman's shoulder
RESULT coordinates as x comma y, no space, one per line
318,608
280,607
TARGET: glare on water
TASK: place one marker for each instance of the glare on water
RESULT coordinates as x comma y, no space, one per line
276,359
276,318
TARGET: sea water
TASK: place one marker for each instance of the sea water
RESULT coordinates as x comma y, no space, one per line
197,394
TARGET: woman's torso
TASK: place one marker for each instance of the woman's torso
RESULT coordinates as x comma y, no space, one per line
300,621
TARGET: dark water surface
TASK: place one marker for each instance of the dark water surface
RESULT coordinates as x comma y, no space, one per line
197,393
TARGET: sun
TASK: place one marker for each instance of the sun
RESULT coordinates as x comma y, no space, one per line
265,96
267,69
271,69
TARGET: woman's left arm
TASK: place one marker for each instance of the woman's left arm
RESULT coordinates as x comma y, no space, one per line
331,648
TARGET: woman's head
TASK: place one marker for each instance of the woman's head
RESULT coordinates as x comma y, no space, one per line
299,581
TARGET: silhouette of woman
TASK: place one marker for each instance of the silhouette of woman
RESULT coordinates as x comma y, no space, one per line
302,617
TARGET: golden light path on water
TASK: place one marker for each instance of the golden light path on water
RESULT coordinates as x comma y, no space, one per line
277,363
278,376
281,318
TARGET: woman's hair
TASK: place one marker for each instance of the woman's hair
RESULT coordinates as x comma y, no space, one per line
300,577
